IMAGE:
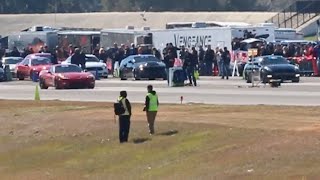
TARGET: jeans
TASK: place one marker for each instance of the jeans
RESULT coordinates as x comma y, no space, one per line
191,77
124,128
168,80
220,69
225,70
209,68
151,117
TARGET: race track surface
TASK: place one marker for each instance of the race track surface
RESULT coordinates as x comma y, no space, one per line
210,91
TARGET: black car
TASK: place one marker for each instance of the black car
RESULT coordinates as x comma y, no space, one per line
271,68
142,67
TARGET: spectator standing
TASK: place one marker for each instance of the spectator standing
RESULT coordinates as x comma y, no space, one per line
183,53
174,50
54,56
114,55
209,59
75,59
169,59
133,49
201,55
15,52
71,50
151,108
82,59
189,66
46,49
124,119
226,63
156,53
219,61
102,55
278,51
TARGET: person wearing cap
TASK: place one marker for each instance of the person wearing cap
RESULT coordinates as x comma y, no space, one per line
124,119
151,108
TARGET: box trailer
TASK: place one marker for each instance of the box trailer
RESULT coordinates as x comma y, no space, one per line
124,36
88,40
193,37
35,40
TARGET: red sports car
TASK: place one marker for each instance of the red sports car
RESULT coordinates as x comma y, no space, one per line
66,76
32,65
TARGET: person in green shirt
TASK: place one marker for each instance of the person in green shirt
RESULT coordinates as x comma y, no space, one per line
151,108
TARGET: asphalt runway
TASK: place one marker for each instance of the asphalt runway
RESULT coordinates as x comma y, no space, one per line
210,91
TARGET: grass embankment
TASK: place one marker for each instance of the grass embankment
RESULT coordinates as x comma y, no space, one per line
60,140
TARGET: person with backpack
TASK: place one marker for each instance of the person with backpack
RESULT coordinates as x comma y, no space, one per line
123,109
151,108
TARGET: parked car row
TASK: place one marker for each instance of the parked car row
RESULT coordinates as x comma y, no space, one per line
38,66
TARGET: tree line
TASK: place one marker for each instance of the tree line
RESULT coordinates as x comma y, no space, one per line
77,6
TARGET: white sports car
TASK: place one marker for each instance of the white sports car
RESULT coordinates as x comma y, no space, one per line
92,64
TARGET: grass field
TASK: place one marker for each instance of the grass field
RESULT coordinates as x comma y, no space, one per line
71,140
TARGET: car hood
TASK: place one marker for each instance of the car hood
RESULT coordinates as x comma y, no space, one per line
74,75
288,68
150,64
90,64
40,67
12,66
95,64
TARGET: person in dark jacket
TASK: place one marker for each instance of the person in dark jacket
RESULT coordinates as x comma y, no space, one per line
183,53
156,53
169,59
75,59
124,119
226,58
201,55
209,60
133,49
151,108
82,59
174,50
15,52
189,65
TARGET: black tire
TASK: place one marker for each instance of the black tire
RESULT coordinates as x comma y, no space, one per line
135,76
121,77
296,80
248,78
20,77
264,79
42,84
91,87
56,86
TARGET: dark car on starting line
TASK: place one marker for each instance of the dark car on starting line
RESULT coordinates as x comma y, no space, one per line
142,67
270,68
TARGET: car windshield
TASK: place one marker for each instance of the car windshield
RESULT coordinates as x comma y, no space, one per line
40,61
12,61
274,60
44,55
92,59
67,69
141,59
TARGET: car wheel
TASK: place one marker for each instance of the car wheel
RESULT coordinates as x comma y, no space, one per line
248,78
56,85
264,79
91,87
296,80
20,76
42,84
136,76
